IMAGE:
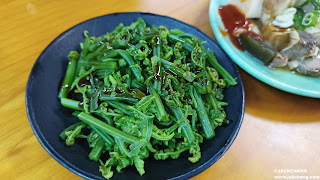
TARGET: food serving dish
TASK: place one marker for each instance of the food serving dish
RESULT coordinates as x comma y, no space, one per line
282,79
48,118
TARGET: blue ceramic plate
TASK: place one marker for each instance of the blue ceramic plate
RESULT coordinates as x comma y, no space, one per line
281,79
48,119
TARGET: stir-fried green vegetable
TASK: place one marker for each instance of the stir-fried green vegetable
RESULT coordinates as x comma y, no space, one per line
144,89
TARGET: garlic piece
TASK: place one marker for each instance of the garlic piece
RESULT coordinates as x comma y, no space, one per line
285,19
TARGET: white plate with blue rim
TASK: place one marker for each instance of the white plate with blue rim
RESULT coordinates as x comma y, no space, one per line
282,79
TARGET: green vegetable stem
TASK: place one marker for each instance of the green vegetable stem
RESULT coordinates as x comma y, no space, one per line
142,91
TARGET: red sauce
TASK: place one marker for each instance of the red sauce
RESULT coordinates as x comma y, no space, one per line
233,18
80,105
84,81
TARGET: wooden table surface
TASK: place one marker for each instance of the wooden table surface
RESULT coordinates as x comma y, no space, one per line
279,131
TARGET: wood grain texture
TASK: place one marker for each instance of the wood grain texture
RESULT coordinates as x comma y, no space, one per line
280,130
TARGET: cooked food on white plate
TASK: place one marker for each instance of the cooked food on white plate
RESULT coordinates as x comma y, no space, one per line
277,33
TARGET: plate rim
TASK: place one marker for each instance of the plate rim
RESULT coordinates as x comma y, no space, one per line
253,71
66,164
